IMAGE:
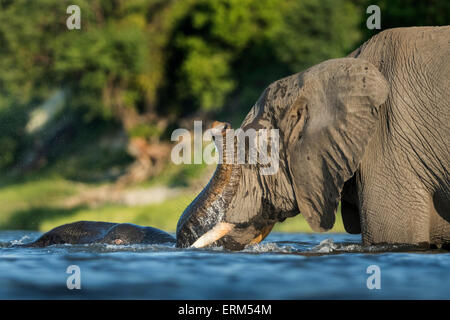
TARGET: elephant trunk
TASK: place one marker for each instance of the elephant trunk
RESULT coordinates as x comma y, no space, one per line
208,220
202,222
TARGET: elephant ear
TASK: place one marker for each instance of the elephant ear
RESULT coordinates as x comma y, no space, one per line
330,124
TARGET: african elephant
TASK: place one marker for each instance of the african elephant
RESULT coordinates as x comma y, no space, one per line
84,232
371,131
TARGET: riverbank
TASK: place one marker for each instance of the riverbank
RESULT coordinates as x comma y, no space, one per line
44,202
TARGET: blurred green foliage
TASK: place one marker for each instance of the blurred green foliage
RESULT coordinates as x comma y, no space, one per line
12,125
164,58
234,48
168,59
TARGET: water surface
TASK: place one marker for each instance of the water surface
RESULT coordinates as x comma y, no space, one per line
284,266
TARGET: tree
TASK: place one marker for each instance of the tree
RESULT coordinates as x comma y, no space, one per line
145,65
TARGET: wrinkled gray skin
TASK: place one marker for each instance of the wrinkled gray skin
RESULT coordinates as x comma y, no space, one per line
84,232
370,130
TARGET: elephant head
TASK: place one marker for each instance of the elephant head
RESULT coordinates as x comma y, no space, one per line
326,116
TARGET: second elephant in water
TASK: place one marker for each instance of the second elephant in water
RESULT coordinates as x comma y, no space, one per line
85,232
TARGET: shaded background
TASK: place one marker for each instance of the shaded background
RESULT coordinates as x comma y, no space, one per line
86,115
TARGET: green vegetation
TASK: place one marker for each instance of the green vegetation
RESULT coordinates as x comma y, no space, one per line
40,205
29,197
162,215
144,65
43,201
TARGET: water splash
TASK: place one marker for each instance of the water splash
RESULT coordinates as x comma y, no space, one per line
268,247
325,246
23,240
329,246
111,248
262,247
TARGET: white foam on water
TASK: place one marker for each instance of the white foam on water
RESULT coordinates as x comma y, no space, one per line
21,240
268,247
261,247
102,247
329,246
325,246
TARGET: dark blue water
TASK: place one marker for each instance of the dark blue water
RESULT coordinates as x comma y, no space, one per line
284,266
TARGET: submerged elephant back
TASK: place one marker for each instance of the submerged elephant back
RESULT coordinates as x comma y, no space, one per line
86,232
126,233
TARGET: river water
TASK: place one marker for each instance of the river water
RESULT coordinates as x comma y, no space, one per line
284,266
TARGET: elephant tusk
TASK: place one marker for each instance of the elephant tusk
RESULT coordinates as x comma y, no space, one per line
219,230
266,230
